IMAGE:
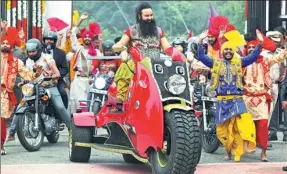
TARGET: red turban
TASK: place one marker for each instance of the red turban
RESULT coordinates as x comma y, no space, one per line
83,34
12,36
213,32
268,44
215,24
94,29
11,41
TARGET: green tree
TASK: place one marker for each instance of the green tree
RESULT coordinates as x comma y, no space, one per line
167,15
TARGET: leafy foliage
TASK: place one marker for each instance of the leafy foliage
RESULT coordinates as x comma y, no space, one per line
166,13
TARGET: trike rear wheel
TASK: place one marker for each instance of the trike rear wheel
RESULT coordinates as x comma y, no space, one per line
83,135
182,146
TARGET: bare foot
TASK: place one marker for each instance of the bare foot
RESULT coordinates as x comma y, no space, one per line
264,156
249,151
227,157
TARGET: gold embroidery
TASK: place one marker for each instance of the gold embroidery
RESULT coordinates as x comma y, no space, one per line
219,68
233,69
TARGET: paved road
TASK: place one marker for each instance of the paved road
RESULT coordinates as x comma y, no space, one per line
18,160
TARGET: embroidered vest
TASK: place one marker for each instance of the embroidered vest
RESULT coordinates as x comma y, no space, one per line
150,47
219,68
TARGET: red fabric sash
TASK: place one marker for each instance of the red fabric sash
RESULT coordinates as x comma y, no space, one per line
3,132
12,98
267,95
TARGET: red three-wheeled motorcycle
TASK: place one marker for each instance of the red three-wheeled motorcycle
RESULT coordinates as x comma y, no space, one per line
158,124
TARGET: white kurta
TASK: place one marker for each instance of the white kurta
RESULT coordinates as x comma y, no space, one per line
80,85
254,80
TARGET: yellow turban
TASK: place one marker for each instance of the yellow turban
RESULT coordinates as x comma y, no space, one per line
235,37
228,44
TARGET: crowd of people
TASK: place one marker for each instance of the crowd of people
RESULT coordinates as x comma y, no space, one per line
248,74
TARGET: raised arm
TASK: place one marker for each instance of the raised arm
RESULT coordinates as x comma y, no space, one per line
207,61
251,58
67,47
272,59
75,30
75,44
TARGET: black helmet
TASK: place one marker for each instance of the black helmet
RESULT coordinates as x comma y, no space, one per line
118,39
107,46
50,35
34,45
181,42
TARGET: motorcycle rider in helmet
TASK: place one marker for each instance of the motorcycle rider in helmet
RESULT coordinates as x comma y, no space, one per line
49,43
36,56
106,66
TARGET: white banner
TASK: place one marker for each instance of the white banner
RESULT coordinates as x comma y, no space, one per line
58,9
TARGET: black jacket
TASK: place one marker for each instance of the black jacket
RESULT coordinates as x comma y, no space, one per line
61,62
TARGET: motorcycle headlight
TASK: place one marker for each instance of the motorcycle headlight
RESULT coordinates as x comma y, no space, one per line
208,92
100,83
176,84
28,90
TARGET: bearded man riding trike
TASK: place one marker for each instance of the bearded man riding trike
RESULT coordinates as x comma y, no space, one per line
157,123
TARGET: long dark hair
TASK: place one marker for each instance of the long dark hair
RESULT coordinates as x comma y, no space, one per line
140,7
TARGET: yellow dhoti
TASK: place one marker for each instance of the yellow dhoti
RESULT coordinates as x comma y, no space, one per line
124,75
123,78
234,131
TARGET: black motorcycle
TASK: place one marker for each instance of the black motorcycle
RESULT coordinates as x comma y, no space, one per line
36,116
205,101
98,91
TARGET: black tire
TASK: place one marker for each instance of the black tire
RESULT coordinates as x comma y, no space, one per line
131,159
96,107
53,138
21,134
210,142
79,134
185,146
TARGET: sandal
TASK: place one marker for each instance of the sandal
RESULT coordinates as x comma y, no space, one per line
3,152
